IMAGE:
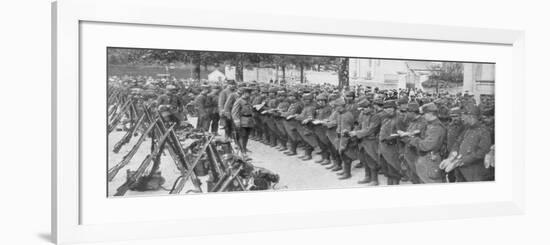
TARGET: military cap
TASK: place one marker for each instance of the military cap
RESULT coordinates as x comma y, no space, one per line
205,85
246,89
322,97
403,101
333,96
413,107
350,94
339,102
455,111
429,107
171,87
471,109
292,94
308,96
390,104
364,103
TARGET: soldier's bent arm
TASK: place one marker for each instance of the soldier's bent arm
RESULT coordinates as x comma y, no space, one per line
372,127
482,148
432,140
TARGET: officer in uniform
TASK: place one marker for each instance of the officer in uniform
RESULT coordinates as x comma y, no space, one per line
389,151
472,146
429,145
242,115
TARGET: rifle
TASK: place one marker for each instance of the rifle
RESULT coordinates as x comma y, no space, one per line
117,118
178,185
114,170
130,181
227,178
128,135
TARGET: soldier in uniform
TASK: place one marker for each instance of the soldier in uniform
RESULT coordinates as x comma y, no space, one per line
259,129
212,104
346,120
332,135
278,119
241,113
429,146
228,107
290,125
454,129
472,146
322,113
417,123
367,134
272,104
170,106
225,121
304,130
389,151
203,108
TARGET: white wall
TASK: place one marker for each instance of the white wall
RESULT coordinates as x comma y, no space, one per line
25,208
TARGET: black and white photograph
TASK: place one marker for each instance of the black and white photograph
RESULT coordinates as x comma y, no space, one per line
191,121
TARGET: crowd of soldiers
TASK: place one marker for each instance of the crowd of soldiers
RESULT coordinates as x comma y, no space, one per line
403,134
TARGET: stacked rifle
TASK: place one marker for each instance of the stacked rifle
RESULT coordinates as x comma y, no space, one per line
187,147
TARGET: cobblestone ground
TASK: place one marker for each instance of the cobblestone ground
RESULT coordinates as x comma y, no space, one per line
294,173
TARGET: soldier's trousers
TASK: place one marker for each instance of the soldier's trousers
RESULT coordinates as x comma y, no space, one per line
281,132
410,157
215,118
292,133
333,146
349,153
322,140
308,136
243,134
389,160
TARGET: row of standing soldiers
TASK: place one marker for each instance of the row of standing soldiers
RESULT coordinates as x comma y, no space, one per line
404,139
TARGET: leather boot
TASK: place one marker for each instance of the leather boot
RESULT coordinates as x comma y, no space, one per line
367,178
359,165
326,162
337,168
347,171
373,177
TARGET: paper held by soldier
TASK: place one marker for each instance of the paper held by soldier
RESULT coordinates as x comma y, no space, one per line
272,122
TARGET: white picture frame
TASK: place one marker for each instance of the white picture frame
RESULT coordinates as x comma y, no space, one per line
67,17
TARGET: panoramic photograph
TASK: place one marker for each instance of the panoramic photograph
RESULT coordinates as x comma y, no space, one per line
191,122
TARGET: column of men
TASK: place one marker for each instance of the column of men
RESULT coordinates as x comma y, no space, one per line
421,138
403,135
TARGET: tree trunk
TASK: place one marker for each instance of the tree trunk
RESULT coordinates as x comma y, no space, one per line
276,73
283,67
301,73
239,71
343,73
197,69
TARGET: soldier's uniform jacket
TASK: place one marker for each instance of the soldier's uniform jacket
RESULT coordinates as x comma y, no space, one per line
323,112
346,122
282,106
272,103
428,147
294,108
222,98
308,111
431,138
242,113
454,129
172,100
473,144
389,127
370,126
229,104
201,104
414,124
212,103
